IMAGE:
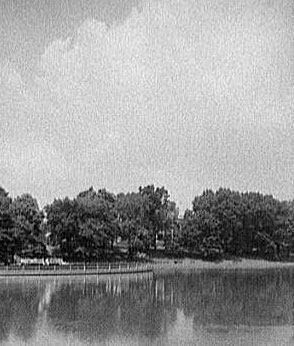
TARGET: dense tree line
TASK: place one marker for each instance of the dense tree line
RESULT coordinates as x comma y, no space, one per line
230,223
96,224
21,227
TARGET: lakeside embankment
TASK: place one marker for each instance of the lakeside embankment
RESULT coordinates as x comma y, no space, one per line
76,270
160,265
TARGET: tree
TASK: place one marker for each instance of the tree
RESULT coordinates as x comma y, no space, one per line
85,227
201,234
130,208
27,220
98,224
6,227
241,224
62,224
155,202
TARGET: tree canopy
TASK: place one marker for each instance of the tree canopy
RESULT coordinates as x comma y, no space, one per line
95,224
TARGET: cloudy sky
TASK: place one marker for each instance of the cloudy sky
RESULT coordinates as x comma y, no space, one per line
188,94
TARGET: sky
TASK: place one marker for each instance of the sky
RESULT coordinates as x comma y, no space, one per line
117,94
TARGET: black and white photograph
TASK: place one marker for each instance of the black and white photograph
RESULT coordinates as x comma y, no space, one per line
146,172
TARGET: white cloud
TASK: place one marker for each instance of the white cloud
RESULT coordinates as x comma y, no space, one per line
172,90
163,59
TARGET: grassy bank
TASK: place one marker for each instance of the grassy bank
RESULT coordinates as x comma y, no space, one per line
191,264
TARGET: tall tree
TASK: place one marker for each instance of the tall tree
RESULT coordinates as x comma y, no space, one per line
155,203
98,224
27,219
62,225
85,227
6,227
247,223
130,208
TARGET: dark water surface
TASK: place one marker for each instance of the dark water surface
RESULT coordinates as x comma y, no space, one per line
188,308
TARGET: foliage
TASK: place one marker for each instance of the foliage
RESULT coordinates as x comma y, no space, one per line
239,224
27,219
88,227
130,208
83,228
143,215
6,227
155,204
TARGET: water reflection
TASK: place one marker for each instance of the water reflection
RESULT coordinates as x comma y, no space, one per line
115,306
260,298
145,307
19,309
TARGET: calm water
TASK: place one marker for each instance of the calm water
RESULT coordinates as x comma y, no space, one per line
211,308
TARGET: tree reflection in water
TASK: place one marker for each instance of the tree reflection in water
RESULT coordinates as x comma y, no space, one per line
19,308
112,307
145,306
249,298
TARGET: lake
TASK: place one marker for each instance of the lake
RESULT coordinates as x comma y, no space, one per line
177,308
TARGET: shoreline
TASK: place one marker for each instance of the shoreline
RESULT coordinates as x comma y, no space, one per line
157,266
62,271
200,265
